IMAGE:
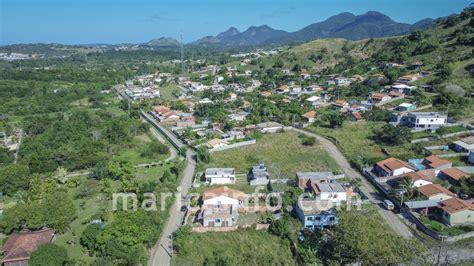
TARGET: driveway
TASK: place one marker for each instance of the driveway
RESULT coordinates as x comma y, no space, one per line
393,220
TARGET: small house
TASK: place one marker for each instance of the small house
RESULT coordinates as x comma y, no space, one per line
392,167
463,145
379,98
221,206
258,175
309,117
434,162
453,175
220,176
406,107
19,246
418,178
216,143
315,214
314,101
456,211
435,192
269,127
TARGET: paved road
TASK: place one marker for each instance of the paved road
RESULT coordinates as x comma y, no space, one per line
392,219
162,251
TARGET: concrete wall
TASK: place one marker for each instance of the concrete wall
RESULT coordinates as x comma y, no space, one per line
235,145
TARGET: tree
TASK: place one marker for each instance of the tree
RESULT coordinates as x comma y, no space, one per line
281,228
61,175
13,178
128,233
408,186
49,255
393,135
336,119
89,236
203,155
59,210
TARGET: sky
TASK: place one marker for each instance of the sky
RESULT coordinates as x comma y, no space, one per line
136,21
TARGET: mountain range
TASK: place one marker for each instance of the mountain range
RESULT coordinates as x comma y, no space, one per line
345,25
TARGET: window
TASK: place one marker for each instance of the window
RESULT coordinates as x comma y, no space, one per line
332,219
217,220
310,218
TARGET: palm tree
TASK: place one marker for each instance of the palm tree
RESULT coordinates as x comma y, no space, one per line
408,186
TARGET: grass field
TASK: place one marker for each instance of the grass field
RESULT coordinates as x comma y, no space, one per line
354,140
283,153
167,92
246,246
140,143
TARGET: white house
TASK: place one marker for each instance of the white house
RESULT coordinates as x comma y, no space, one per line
421,120
220,176
196,86
392,167
334,192
314,100
418,179
340,81
269,127
216,143
220,207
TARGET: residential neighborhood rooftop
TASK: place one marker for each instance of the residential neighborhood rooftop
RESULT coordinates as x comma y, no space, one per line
454,205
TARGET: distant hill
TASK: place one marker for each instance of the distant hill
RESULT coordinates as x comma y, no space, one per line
163,42
345,25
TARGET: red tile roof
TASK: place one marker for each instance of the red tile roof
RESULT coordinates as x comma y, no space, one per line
378,96
358,116
454,173
417,176
434,161
310,114
223,191
454,205
434,189
392,164
19,246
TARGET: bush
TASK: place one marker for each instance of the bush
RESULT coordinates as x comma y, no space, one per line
155,148
310,141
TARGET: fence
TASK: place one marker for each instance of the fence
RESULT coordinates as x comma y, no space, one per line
176,143
202,229
235,145
410,216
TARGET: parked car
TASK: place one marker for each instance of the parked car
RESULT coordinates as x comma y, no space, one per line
464,196
301,237
388,205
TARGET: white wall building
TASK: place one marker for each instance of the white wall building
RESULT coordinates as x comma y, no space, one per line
334,192
220,176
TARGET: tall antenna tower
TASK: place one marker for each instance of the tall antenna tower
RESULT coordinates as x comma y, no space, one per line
182,55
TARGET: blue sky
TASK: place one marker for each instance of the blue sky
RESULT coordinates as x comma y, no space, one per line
118,21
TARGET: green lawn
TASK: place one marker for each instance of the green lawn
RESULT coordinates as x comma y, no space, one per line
87,208
140,143
281,152
355,140
443,229
167,93
242,247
